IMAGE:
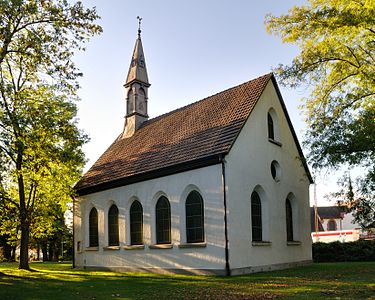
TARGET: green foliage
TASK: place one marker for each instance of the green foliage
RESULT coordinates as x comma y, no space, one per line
336,38
45,34
7,251
361,250
337,62
362,207
40,144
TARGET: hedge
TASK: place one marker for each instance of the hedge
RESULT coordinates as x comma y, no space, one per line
360,250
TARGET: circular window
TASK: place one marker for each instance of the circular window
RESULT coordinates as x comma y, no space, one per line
275,170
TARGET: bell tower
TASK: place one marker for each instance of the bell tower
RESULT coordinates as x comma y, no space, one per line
136,89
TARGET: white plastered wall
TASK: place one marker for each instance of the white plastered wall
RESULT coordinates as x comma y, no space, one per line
248,168
207,181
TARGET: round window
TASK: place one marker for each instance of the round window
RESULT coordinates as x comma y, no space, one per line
275,170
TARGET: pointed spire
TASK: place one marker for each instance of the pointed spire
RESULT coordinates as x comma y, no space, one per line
136,89
137,70
139,26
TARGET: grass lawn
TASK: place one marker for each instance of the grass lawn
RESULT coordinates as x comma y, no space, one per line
59,281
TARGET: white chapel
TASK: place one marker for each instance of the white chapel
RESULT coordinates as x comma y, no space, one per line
220,186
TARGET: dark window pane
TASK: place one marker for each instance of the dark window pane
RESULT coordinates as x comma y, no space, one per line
163,221
273,170
113,231
257,234
194,218
289,220
256,217
271,133
93,228
331,225
136,223
189,222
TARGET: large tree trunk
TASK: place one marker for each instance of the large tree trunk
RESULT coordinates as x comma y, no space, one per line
50,251
44,250
38,252
14,248
56,252
24,251
7,252
25,225
6,248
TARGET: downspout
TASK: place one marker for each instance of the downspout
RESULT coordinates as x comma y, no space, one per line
227,268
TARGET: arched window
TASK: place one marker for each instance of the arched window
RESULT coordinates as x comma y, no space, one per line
271,130
163,221
141,99
331,226
130,103
289,220
93,228
113,234
136,223
194,218
256,217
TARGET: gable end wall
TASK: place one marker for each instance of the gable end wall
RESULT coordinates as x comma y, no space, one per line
248,168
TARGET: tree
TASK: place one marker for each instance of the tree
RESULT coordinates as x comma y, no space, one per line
49,229
9,221
356,200
45,151
8,229
39,140
337,62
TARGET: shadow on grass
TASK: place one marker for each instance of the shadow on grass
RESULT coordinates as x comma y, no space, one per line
91,285
319,281
16,277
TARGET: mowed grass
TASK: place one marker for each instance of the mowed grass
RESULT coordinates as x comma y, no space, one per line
59,281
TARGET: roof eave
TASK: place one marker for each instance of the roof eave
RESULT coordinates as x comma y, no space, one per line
136,80
244,123
303,159
178,168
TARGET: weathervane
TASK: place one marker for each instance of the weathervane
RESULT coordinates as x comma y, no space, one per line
139,25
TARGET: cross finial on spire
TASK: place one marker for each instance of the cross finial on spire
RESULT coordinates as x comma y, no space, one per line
139,25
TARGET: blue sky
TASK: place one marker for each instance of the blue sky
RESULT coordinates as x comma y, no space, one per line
193,49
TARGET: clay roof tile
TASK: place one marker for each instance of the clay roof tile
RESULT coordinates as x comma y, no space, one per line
202,129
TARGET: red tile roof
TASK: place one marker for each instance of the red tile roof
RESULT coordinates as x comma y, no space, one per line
324,213
330,212
187,138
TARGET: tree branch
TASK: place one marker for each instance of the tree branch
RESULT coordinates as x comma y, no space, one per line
357,99
30,195
10,155
11,73
367,52
353,54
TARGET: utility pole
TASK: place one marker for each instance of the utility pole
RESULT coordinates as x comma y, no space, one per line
316,213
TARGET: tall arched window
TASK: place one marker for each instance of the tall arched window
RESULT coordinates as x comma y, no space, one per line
256,217
163,221
194,218
130,103
113,233
271,130
141,101
93,228
289,220
136,223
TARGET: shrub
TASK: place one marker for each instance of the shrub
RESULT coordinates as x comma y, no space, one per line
360,250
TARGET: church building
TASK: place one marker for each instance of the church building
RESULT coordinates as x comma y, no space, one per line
220,186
